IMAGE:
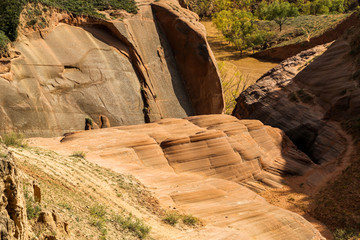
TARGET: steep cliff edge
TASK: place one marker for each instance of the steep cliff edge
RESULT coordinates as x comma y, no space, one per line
129,70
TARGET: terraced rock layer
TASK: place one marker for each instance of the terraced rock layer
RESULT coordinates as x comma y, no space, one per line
130,71
204,165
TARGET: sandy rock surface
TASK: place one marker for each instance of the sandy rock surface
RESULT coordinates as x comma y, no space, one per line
131,70
205,166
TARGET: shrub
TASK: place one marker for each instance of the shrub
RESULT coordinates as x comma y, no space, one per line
134,225
98,219
11,10
14,139
4,40
33,209
9,17
190,220
172,218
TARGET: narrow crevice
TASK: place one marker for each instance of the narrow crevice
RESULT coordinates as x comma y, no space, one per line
71,67
146,108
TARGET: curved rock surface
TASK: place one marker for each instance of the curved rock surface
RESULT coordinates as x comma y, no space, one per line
131,71
204,166
306,101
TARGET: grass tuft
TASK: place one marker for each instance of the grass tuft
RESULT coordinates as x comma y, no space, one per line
134,225
172,218
190,220
33,209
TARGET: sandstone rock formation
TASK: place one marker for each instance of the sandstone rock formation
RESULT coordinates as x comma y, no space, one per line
13,220
152,65
306,101
204,165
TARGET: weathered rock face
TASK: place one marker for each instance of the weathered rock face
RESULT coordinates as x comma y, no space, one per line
193,57
13,220
304,102
204,165
130,71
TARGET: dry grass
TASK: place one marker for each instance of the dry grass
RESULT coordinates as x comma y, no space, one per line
96,203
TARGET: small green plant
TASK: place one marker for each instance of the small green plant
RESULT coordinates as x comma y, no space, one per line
78,154
89,121
134,225
346,234
33,209
98,211
14,139
190,220
98,219
172,218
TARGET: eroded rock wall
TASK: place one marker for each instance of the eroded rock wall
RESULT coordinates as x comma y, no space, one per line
307,95
126,70
13,219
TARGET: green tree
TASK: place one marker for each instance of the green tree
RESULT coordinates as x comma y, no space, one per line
9,17
280,11
238,28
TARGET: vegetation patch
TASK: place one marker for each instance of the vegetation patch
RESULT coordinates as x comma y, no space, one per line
257,25
133,224
33,208
11,10
14,139
233,83
172,218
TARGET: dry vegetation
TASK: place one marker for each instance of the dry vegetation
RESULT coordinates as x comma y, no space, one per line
95,203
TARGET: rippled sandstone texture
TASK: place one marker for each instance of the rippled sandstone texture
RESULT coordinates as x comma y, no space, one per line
204,166
152,65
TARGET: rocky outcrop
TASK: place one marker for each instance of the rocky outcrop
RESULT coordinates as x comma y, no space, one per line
13,220
129,70
193,56
287,51
204,166
304,101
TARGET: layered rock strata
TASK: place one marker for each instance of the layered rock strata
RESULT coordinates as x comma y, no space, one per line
204,166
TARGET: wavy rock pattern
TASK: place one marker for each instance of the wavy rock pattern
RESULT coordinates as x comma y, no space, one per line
205,166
